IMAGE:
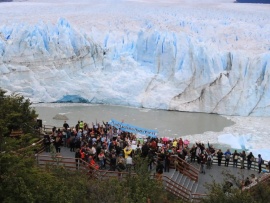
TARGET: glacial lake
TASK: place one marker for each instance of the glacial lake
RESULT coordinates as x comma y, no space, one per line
167,123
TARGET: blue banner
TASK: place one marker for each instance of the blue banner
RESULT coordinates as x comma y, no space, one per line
132,129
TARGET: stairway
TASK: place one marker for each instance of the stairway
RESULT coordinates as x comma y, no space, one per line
190,185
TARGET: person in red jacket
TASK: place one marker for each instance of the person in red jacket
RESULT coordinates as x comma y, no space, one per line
92,163
180,143
82,154
153,145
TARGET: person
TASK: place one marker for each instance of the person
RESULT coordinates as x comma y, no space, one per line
151,158
77,158
181,143
138,150
65,125
198,152
227,157
57,144
247,182
209,160
64,137
92,163
47,142
159,170
235,158
145,150
53,130
219,156
121,163
211,148
192,153
269,166
250,159
203,161
243,158
112,161
101,157
81,124
128,151
174,143
72,142
167,162
260,162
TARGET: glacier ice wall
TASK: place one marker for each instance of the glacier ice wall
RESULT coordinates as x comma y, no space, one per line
149,68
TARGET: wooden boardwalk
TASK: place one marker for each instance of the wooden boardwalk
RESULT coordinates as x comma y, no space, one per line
214,174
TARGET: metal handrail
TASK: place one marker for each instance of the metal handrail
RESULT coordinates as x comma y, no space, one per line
254,164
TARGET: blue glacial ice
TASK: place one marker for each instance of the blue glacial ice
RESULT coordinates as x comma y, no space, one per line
151,69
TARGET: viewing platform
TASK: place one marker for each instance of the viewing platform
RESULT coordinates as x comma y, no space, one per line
174,181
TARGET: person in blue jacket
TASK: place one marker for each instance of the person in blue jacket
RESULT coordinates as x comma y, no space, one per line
227,155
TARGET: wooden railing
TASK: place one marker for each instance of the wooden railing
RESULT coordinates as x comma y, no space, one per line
185,168
196,197
67,162
79,164
175,188
48,128
16,133
38,147
170,185
264,178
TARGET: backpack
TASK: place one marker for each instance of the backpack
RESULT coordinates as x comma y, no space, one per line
227,156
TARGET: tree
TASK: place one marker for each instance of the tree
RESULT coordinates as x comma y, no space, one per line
16,114
139,188
222,193
24,181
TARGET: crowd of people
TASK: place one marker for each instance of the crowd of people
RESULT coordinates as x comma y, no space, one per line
97,142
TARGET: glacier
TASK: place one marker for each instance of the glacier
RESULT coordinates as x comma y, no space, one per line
212,60
209,56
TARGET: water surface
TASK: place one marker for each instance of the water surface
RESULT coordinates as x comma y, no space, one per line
167,123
